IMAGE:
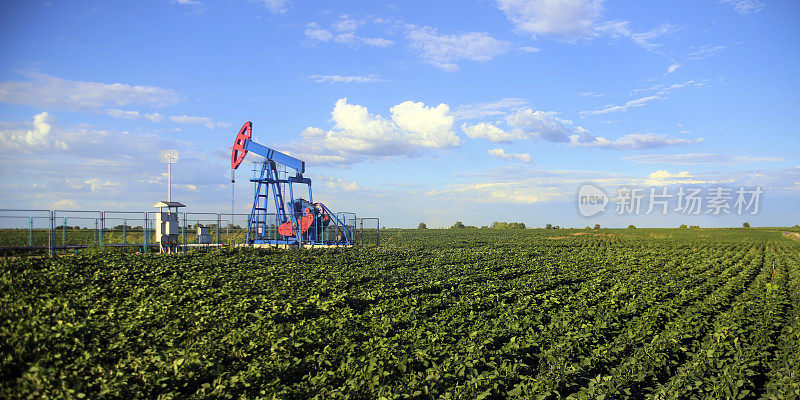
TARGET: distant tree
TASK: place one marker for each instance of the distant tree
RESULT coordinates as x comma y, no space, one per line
588,227
631,226
548,226
746,225
683,226
484,227
556,227
508,225
596,226
458,225
694,226
422,226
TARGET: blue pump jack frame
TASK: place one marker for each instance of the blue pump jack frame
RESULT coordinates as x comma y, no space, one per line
260,213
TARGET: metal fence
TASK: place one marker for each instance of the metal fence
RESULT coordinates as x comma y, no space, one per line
69,230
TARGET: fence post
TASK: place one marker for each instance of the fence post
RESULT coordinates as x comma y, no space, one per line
64,233
50,234
30,231
102,227
124,233
218,222
184,229
96,224
144,234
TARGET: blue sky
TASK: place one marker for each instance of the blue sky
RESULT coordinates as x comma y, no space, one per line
476,111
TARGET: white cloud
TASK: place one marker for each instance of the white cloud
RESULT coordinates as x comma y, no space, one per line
64,204
573,19
663,177
188,2
672,68
645,39
347,24
274,6
27,140
359,135
704,52
629,104
698,158
517,191
488,109
488,132
500,153
338,184
744,6
117,113
345,78
314,31
570,18
377,42
346,28
543,124
45,91
443,51
634,141
208,122
547,125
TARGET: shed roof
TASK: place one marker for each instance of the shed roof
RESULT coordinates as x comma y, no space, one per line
168,204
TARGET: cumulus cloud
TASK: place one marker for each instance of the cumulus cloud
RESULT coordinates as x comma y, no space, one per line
444,51
45,91
542,124
39,137
744,7
547,125
487,131
574,19
550,17
360,135
698,158
345,78
316,32
500,153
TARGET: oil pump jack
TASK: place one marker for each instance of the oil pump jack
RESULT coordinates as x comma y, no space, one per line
288,221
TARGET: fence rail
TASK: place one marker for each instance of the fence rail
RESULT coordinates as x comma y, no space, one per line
51,230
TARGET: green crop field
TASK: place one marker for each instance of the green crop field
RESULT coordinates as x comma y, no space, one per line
431,314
